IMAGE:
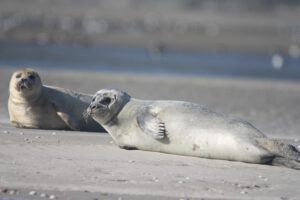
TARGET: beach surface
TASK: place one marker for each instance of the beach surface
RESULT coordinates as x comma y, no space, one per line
80,165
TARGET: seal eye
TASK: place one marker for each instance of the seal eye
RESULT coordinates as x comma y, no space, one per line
105,101
93,99
31,77
18,76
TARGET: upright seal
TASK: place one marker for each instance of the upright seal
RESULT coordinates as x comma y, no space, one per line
185,128
33,105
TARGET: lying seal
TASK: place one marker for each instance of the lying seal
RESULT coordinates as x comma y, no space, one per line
33,105
185,128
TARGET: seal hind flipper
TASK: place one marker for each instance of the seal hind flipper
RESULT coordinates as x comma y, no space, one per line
127,147
151,124
279,148
280,161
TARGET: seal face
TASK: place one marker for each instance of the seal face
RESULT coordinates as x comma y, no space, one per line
26,82
107,104
34,105
185,128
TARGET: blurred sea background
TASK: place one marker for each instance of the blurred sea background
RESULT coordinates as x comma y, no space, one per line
229,38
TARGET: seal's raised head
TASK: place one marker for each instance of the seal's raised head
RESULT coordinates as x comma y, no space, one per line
106,105
25,82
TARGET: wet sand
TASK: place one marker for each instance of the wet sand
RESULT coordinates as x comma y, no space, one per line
79,165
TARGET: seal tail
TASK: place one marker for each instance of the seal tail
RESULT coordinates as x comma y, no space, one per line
285,154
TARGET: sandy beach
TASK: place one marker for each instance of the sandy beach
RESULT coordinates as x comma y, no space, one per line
240,58
80,165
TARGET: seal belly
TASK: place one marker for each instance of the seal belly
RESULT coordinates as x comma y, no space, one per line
38,117
227,147
194,131
214,146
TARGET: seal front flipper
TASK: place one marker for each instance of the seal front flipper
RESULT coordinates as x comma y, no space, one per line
151,124
68,120
66,117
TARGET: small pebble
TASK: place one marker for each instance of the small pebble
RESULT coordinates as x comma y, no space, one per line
52,196
12,192
21,133
37,137
296,140
187,178
131,161
298,147
43,195
6,132
53,133
243,192
28,140
32,192
180,182
155,179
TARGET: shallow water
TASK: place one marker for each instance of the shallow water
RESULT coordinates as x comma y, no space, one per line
158,61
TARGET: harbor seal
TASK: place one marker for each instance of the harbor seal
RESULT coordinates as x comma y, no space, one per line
34,105
184,128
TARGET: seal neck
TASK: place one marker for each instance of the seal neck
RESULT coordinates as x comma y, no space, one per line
114,118
21,97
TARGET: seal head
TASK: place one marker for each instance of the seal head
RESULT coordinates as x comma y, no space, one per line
106,105
25,83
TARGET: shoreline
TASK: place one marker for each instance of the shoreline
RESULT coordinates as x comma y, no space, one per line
140,61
